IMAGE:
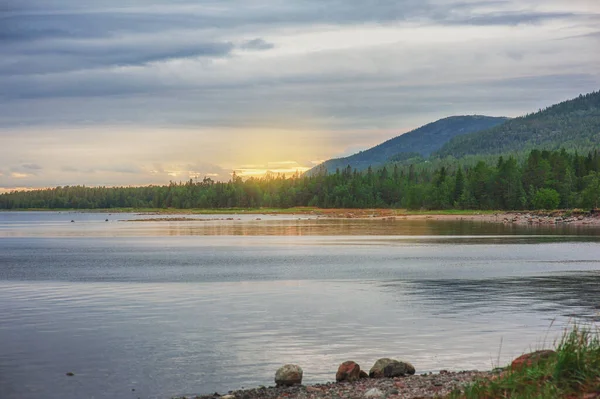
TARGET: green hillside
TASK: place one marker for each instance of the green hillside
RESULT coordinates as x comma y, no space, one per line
573,124
422,141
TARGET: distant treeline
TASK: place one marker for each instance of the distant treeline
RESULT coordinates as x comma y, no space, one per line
543,180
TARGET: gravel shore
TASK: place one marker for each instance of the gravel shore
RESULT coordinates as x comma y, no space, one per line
412,387
557,217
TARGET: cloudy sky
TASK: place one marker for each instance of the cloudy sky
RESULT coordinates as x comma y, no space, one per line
116,92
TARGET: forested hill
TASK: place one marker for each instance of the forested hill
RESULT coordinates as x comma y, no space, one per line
419,142
573,124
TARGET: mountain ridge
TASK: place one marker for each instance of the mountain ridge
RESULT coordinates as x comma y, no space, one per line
573,123
423,141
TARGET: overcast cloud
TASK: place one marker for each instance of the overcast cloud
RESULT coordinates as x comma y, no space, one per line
140,92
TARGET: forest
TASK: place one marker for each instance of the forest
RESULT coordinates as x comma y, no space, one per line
572,124
540,180
420,142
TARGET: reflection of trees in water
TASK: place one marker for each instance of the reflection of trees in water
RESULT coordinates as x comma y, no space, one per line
474,227
574,295
375,227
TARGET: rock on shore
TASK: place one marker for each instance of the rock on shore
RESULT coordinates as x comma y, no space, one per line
410,387
529,359
348,371
552,218
407,386
390,368
288,375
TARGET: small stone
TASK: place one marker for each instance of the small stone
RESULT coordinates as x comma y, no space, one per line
374,393
69,374
288,375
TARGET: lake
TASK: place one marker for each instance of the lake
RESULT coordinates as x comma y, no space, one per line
154,309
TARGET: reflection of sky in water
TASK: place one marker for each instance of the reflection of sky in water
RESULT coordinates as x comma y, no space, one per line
168,315
164,339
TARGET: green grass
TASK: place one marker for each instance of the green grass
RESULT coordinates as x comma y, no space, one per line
572,372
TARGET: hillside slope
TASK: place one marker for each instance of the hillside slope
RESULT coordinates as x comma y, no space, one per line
422,141
573,124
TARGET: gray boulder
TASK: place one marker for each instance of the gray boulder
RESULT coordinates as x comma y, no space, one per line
389,368
288,375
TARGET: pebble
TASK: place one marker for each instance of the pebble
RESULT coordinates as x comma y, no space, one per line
411,387
374,393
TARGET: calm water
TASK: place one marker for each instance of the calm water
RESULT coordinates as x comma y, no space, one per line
168,308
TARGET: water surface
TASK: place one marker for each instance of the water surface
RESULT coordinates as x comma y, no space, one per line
168,308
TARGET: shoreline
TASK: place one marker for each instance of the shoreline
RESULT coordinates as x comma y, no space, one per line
575,217
418,386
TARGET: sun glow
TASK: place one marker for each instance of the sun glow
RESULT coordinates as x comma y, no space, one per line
11,189
264,172
287,168
18,175
152,156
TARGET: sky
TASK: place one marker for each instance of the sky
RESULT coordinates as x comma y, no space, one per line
135,92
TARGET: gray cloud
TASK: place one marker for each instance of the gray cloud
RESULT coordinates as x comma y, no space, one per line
69,169
37,20
257,44
65,36
65,56
127,169
505,18
31,166
591,35
213,76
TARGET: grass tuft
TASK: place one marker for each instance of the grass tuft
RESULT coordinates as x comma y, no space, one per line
572,372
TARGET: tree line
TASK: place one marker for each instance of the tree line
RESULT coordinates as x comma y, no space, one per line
541,180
